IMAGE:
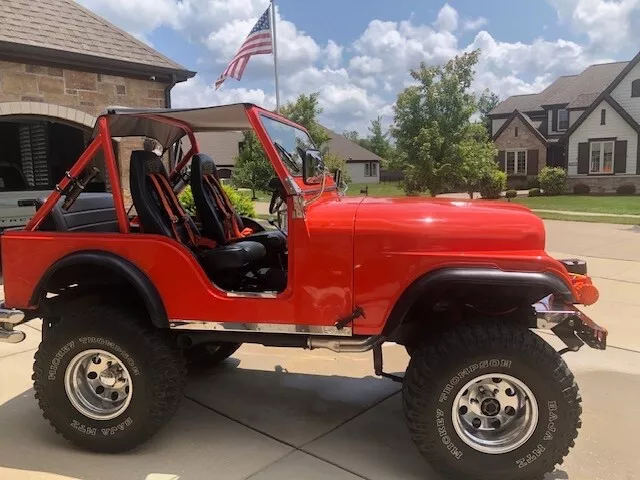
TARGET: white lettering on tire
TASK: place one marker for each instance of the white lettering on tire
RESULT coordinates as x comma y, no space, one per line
121,426
55,362
495,363
444,436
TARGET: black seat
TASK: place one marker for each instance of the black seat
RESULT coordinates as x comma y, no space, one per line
91,212
212,217
154,218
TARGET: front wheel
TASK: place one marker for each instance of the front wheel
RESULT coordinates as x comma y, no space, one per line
105,379
491,402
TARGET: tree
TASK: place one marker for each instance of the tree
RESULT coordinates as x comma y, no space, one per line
431,120
351,135
487,102
252,168
477,157
335,162
378,140
304,111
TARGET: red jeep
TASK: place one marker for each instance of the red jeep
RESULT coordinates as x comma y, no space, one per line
130,301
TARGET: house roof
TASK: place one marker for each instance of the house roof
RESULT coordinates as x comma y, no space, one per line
532,102
59,30
349,150
594,79
583,101
606,96
526,120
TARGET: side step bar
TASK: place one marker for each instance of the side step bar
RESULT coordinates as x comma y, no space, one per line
9,318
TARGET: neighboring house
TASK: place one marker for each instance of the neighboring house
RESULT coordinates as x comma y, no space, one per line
223,147
60,65
532,131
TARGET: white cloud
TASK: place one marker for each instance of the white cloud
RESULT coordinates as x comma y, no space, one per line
447,19
608,24
472,24
195,92
333,53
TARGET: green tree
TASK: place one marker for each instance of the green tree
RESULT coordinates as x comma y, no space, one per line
431,120
334,162
351,135
252,168
477,157
487,102
379,140
304,111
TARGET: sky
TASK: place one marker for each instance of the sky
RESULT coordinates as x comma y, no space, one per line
358,53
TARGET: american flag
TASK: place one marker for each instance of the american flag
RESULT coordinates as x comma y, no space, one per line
257,42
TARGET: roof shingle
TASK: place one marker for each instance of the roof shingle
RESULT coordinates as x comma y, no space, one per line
64,25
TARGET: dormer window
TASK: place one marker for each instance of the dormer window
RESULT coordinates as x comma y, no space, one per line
563,119
515,132
635,88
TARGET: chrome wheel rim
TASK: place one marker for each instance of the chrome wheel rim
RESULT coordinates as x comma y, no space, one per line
495,413
98,384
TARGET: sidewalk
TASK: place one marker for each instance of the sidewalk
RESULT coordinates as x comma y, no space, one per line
586,214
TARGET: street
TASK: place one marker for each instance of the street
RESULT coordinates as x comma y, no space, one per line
272,413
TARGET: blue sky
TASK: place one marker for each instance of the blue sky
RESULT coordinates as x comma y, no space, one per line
357,53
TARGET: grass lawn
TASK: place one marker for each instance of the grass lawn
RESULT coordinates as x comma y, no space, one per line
382,189
588,218
584,203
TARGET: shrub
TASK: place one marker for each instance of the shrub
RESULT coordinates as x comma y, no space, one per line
241,202
552,180
581,189
492,184
626,189
533,183
535,192
511,194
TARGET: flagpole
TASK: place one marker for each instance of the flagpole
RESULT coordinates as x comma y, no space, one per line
275,53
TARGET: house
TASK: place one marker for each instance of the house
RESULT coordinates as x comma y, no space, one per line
60,65
532,131
363,165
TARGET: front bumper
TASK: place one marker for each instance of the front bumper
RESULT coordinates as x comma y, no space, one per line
9,318
571,325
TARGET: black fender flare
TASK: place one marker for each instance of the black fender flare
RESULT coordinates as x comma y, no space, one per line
472,276
121,266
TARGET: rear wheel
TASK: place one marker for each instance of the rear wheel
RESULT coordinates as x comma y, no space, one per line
491,402
205,356
105,379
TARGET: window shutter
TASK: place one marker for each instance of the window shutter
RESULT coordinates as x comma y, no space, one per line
532,162
620,157
501,156
583,157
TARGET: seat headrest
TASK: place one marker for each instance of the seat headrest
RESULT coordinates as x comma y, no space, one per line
149,162
204,164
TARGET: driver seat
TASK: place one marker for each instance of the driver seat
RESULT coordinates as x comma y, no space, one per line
217,218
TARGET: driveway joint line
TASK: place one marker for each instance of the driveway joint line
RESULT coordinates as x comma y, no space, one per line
2,357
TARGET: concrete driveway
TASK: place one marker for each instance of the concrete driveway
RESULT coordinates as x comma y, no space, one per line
272,414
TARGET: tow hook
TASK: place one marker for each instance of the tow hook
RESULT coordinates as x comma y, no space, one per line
9,318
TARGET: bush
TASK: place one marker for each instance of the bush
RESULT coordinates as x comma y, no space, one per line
581,189
626,189
241,202
533,183
511,194
535,192
492,184
552,180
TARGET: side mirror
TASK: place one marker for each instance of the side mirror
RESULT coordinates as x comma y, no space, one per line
312,167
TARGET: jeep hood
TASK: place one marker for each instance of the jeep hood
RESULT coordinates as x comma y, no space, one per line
448,225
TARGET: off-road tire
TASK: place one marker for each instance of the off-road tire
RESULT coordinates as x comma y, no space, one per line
441,367
156,368
205,356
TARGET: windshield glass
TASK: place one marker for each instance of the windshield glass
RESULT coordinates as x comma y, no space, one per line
290,142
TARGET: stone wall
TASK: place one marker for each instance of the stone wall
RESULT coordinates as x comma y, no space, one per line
603,183
85,91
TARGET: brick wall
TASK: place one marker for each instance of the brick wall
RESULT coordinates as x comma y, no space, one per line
526,139
603,183
85,91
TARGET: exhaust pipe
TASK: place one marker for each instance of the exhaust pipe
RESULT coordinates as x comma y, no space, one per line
9,318
347,345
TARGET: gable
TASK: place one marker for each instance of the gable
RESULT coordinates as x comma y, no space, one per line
527,130
622,93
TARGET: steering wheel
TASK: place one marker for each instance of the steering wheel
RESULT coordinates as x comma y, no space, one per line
276,201
277,195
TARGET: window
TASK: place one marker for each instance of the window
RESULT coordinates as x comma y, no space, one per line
635,88
371,169
601,157
516,162
290,142
603,116
516,132
563,119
